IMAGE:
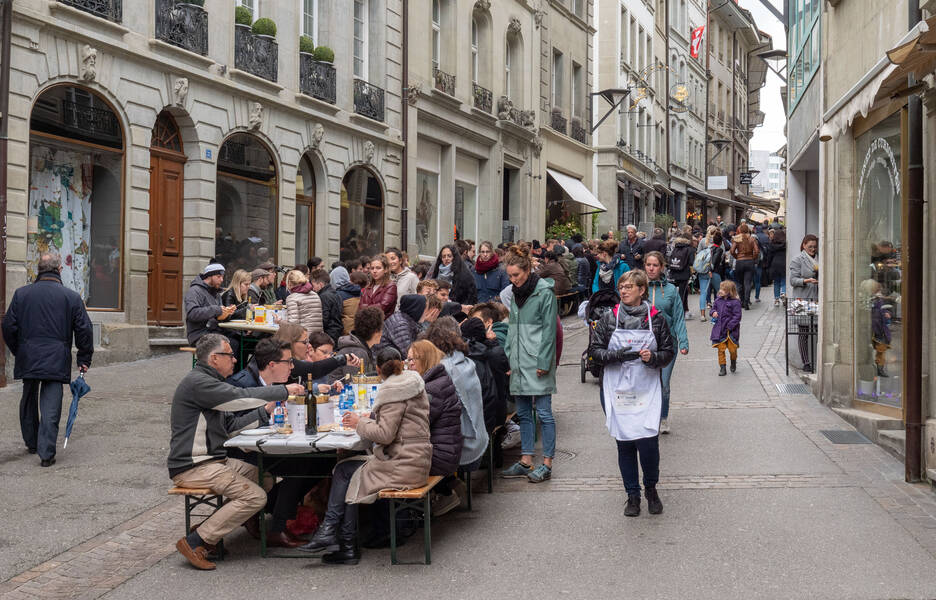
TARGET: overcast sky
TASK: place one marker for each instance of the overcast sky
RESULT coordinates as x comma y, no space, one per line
769,136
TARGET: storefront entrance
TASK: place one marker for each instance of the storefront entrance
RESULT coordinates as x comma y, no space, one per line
164,297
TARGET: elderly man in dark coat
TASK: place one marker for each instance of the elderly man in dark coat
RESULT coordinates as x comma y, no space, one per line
40,324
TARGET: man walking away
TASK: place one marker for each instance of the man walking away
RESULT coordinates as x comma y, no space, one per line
39,326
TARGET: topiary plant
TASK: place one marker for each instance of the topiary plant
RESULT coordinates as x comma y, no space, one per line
264,26
324,54
243,16
306,44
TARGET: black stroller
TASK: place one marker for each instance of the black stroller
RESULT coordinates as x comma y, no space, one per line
598,304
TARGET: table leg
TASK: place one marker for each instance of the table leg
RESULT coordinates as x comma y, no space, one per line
261,518
427,533
393,540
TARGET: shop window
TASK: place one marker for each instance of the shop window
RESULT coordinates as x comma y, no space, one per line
878,247
427,213
75,192
466,208
305,212
245,217
361,214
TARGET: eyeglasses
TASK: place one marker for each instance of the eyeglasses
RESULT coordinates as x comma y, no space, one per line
305,341
228,354
288,361
627,286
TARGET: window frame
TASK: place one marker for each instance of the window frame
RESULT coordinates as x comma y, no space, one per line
315,20
436,41
250,5
365,41
804,38
475,50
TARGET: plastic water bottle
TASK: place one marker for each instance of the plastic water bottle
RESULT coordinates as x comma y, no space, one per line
372,397
279,416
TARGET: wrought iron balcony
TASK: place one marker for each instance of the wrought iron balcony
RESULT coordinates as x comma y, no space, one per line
183,25
368,100
558,122
577,131
483,98
444,82
112,10
256,54
507,112
317,79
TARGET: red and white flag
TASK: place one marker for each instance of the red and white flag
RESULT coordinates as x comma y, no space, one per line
695,41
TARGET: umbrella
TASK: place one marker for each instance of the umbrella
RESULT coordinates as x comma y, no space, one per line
79,387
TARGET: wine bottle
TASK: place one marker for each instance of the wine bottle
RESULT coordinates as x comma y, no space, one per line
311,408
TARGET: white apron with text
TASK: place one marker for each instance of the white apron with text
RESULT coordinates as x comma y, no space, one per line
633,394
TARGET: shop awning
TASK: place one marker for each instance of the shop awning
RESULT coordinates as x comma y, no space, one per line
716,199
632,179
758,202
918,56
576,189
663,189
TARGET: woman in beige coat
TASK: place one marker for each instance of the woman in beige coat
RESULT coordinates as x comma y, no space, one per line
303,305
402,456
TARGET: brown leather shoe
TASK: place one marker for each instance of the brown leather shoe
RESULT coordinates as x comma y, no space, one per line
280,539
197,557
252,525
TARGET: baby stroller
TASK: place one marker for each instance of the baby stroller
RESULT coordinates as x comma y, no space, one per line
598,304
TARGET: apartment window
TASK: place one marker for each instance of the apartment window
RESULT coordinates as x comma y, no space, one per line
640,47
513,69
250,5
557,78
578,82
436,32
804,46
577,8
507,82
625,35
360,39
633,43
474,50
310,19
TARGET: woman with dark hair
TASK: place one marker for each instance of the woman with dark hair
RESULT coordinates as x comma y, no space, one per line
718,267
776,264
745,252
489,276
804,284
402,456
453,271
381,292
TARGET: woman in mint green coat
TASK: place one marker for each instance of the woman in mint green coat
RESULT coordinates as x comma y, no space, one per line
531,349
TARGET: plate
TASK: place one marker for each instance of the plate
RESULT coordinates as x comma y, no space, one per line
261,431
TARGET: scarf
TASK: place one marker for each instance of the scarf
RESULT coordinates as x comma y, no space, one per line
483,267
445,272
632,317
812,261
606,272
522,294
302,288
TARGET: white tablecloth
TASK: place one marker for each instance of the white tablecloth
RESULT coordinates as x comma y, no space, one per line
298,443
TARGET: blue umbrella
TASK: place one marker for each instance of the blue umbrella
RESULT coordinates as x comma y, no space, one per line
79,387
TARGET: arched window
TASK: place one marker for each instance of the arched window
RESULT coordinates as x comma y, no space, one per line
245,209
474,50
361,214
436,34
305,211
75,205
513,69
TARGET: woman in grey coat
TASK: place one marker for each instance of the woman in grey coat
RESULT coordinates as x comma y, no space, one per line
804,284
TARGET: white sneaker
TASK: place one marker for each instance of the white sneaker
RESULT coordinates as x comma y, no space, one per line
444,504
512,439
664,426
688,316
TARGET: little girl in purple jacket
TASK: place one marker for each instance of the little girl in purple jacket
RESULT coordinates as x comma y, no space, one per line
726,333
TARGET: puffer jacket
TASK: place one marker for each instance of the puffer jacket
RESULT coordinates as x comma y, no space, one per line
487,359
382,296
490,283
305,309
664,296
352,344
331,312
599,354
475,436
444,421
399,331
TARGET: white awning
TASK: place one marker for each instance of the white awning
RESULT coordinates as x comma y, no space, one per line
576,190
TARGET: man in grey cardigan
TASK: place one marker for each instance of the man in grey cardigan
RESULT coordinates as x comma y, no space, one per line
197,458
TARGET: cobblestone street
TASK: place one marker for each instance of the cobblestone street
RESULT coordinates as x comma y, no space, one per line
758,503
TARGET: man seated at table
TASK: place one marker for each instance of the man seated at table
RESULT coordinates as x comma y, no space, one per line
199,425
269,292
202,303
366,333
261,283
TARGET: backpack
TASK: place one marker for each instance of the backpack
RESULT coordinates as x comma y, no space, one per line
679,258
703,261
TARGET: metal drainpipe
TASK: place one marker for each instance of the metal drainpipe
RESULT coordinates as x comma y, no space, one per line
708,83
913,282
666,95
6,27
404,209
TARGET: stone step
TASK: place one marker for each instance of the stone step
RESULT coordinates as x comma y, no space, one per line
171,342
157,332
868,423
894,441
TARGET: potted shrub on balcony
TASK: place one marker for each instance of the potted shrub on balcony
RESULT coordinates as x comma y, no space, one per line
324,54
306,46
265,28
242,18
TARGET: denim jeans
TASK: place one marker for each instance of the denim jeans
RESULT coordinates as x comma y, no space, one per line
713,288
758,273
779,286
543,405
705,280
665,376
648,450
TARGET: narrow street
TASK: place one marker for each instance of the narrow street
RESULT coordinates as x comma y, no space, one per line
758,503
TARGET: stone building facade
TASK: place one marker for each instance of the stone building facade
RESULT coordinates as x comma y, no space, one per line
146,139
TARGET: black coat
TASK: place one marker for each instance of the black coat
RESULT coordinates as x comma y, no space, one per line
40,324
627,252
400,331
718,261
464,289
599,354
331,312
680,260
776,260
486,359
654,244
444,421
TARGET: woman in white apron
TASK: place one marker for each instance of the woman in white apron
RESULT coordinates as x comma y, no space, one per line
633,344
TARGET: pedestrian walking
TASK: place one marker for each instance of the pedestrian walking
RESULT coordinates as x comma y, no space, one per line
719,267
610,267
40,324
680,268
745,253
664,296
726,332
632,344
531,350
776,264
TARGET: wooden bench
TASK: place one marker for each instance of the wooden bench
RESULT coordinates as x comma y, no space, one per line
417,499
195,497
189,349
567,303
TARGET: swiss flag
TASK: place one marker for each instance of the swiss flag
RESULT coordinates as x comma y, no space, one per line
695,41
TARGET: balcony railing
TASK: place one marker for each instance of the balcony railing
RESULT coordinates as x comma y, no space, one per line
507,112
256,54
368,100
444,82
112,10
183,25
558,122
577,131
483,98
317,79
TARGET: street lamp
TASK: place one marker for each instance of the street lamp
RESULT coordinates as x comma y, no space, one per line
614,97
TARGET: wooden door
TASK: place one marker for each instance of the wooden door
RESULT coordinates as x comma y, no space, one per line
165,236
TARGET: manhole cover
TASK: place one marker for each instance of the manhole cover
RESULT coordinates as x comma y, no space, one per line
793,388
564,455
843,436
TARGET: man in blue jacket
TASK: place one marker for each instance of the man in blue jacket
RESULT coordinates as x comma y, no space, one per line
40,324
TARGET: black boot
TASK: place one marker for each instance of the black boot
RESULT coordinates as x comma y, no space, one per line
325,538
654,504
722,371
734,365
633,505
348,552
